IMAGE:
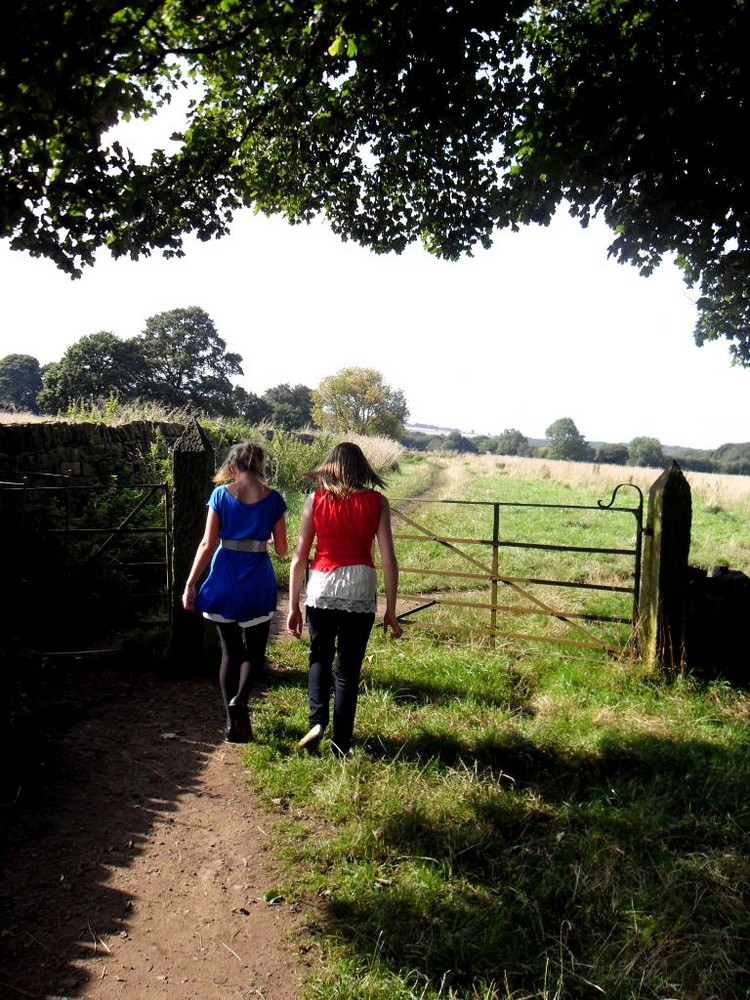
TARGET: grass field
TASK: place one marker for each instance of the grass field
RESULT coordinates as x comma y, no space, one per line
444,510
524,821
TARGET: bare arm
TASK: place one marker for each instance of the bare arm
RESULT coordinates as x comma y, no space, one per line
298,566
278,535
206,548
389,565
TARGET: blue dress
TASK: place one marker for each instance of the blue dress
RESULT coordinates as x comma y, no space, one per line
241,586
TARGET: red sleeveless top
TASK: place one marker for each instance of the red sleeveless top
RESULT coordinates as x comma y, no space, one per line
345,528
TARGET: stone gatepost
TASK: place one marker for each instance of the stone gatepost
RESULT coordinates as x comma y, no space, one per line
664,576
192,470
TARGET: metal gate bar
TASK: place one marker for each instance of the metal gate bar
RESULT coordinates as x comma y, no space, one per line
491,573
123,530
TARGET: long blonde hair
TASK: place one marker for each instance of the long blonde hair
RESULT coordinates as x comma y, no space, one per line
345,471
245,457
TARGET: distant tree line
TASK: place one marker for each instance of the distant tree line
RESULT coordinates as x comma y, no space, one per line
566,443
180,362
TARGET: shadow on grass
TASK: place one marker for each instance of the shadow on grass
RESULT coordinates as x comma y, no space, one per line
511,693
626,869
560,872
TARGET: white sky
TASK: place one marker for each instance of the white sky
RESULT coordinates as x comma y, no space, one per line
539,327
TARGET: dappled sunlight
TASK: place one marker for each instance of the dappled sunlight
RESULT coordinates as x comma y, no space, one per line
618,719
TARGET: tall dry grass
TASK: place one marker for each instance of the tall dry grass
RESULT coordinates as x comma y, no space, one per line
17,417
383,453
112,413
715,489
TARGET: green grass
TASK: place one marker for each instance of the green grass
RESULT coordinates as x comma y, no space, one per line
719,536
521,821
543,508
515,824
532,512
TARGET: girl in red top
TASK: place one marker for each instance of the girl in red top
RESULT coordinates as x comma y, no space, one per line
343,517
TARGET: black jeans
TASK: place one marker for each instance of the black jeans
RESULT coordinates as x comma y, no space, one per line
341,636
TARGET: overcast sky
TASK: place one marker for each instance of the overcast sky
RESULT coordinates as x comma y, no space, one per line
539,327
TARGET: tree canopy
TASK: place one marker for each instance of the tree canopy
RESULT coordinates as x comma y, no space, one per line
287,406
187,362
512,442
359,400
178,361
646,451
97,366
612,454
566,442
419,121
20,382
733,459
454,441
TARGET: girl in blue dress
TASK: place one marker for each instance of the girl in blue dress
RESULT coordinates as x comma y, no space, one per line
239,593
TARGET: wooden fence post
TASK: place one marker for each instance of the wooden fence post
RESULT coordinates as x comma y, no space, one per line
664,577
192,469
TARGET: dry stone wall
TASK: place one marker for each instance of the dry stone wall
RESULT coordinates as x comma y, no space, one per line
87,453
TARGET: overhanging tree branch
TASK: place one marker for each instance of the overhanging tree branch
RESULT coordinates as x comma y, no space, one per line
401,122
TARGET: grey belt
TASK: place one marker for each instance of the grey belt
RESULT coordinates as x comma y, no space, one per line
244,545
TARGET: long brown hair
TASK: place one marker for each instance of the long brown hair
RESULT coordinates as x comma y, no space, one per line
245,457
345,470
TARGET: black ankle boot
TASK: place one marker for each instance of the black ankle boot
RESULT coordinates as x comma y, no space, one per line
241,729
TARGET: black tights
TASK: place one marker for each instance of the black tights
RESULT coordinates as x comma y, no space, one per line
243,652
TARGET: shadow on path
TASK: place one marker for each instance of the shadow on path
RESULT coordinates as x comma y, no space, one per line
133,857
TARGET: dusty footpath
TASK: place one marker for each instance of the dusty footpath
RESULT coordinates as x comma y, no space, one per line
136,862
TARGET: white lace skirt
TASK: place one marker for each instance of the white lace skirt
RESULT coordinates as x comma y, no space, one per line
347,588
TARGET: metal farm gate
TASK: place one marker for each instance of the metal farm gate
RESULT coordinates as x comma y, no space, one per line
559,573
86,559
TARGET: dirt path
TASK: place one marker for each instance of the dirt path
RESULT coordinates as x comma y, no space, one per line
135,859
